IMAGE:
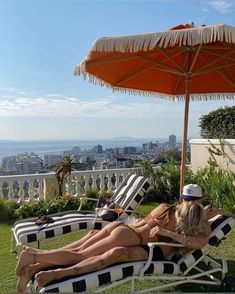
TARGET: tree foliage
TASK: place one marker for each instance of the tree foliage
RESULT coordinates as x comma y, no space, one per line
64,168
172,153
218,124
165,180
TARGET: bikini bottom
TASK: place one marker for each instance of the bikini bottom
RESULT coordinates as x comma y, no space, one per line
135,230
157,252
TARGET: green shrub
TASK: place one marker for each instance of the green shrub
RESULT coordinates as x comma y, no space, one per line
90,193
34,209
26,210
8,209
165,181
218,124
219,185
60,204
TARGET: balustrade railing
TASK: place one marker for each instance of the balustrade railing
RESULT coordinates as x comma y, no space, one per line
23,188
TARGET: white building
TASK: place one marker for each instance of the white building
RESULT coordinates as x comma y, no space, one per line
27,163
100,158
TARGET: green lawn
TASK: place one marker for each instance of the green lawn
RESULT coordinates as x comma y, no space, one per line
8,259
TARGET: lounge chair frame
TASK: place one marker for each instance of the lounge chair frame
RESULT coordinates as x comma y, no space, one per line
175,280
196,267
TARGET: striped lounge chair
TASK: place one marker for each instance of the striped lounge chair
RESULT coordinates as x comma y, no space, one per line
196,267
128,196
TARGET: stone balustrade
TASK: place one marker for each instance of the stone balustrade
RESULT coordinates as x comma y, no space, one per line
23,188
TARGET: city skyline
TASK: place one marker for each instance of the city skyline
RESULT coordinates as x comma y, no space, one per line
40,99
30,162
41,147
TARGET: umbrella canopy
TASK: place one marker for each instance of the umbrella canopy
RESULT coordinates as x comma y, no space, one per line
185,62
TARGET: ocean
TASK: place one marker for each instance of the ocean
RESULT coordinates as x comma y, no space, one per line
14,147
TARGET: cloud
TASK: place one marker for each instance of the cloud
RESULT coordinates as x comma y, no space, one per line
55,106
113,107
223,6
17,103
51,115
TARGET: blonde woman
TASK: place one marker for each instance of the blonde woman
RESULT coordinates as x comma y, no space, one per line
118,242
193,192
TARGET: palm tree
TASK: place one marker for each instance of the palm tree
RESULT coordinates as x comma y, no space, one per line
63,169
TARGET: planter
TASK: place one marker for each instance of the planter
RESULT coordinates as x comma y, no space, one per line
200,153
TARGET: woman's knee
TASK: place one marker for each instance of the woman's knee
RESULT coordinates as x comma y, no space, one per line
110,227
118,253
92,233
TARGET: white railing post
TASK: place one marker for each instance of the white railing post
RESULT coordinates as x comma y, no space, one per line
21,191
31,190
50,188
11,191
40,190
109,185
1,189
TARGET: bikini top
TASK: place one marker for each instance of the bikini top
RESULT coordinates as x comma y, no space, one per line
162,217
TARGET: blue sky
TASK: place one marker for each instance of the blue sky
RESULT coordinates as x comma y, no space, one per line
42,42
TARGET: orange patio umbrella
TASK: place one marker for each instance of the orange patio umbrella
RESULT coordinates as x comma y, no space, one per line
185,62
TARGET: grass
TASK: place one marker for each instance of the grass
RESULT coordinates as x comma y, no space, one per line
8,259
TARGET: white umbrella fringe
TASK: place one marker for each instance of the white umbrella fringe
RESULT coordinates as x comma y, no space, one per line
193,97
192,37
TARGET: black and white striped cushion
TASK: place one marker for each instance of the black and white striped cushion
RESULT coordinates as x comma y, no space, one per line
26,231
220,226
109,275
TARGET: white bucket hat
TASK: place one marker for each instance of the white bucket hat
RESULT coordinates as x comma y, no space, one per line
191,192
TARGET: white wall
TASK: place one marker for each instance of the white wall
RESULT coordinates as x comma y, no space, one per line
200,154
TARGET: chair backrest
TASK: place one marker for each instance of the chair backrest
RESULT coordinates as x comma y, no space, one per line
132,194
122,185
221,226
128,189
128,196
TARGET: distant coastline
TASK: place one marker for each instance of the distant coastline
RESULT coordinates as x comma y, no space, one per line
41,147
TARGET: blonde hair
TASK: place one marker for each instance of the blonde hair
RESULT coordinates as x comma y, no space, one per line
191,220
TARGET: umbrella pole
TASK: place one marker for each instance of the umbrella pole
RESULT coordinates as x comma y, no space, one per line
185,131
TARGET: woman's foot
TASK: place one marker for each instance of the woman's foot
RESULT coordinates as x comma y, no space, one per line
25,277
31,249
26,258
44,277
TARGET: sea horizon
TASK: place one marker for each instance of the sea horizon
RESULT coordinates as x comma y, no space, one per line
42,147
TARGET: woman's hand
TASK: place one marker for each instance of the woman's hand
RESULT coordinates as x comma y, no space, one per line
158,231
211,211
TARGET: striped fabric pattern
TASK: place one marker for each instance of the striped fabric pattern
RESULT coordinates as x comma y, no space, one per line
133,190
28,231
221,226
109,275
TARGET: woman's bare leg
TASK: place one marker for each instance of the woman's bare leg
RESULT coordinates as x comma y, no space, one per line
92,236
31,270
78,243
95,263
119,236
73,245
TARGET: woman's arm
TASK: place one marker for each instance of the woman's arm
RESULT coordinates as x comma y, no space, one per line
196,242
212,211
